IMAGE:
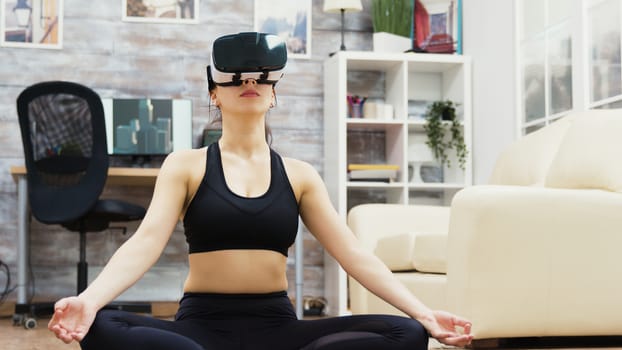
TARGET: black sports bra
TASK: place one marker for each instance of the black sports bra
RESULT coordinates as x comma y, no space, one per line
218,219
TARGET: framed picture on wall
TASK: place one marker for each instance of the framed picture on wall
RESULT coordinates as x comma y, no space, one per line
437,26
31,23
291,20
161,11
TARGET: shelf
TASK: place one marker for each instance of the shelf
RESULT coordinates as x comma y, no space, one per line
440,185
370,122
366,60
393,79
373,124
374,184
440,65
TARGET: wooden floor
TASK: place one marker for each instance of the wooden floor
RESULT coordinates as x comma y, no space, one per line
39,338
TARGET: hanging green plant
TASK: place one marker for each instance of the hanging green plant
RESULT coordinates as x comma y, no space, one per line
436,131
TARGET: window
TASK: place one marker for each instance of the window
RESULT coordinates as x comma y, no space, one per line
545,61
603,47
552,80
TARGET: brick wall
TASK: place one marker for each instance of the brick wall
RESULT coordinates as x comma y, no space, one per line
123,59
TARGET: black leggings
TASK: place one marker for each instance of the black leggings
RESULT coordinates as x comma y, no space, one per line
250,321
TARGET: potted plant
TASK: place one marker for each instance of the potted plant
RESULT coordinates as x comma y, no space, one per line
438,115
392,22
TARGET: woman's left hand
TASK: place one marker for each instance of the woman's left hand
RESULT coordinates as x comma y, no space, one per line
449,329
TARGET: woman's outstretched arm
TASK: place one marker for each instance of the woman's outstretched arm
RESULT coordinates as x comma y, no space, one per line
330,229
73,316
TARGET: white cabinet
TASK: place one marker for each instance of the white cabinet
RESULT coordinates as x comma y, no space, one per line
390,135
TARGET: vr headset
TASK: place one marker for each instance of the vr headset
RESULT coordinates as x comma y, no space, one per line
242,56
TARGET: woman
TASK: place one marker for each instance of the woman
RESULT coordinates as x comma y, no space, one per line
240,202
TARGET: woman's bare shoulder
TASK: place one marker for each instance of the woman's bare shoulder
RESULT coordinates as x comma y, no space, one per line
300,171
184,161
297,164
185,155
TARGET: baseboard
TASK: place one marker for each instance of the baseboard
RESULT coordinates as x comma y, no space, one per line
7,309
164,309
548,342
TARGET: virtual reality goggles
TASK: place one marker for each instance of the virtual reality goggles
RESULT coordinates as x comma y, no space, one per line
242,56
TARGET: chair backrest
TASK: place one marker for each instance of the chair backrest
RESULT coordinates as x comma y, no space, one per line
64,137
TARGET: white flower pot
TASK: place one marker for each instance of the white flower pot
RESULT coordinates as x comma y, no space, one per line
388,42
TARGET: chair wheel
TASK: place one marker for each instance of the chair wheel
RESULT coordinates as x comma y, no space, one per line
18,319
30,323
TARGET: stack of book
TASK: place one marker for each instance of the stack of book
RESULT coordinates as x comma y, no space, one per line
372,172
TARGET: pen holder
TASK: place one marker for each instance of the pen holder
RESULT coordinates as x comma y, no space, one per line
356,110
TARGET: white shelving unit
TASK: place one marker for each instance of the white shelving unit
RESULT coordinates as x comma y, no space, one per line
393,79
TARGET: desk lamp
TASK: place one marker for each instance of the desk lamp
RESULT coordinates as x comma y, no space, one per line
341,6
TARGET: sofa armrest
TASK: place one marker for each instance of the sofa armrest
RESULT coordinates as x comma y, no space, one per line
532,261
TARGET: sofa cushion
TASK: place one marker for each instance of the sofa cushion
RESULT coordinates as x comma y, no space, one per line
588,155
410,251
526,161
430,253
397,251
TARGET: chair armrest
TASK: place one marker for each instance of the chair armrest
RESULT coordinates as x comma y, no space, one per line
533,261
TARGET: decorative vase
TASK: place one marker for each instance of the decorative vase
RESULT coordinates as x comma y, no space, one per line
388,42
431,173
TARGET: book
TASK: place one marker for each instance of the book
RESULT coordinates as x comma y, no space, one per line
373,174
373,167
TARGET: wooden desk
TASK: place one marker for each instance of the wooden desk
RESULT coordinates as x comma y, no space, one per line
116,176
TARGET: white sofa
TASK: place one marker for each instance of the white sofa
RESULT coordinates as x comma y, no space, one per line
535,253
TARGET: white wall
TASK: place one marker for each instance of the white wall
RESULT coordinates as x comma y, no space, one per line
488,37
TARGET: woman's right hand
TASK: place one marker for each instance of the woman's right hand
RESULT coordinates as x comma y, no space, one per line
448,329
72,319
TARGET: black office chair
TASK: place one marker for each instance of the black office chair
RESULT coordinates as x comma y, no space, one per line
64,137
